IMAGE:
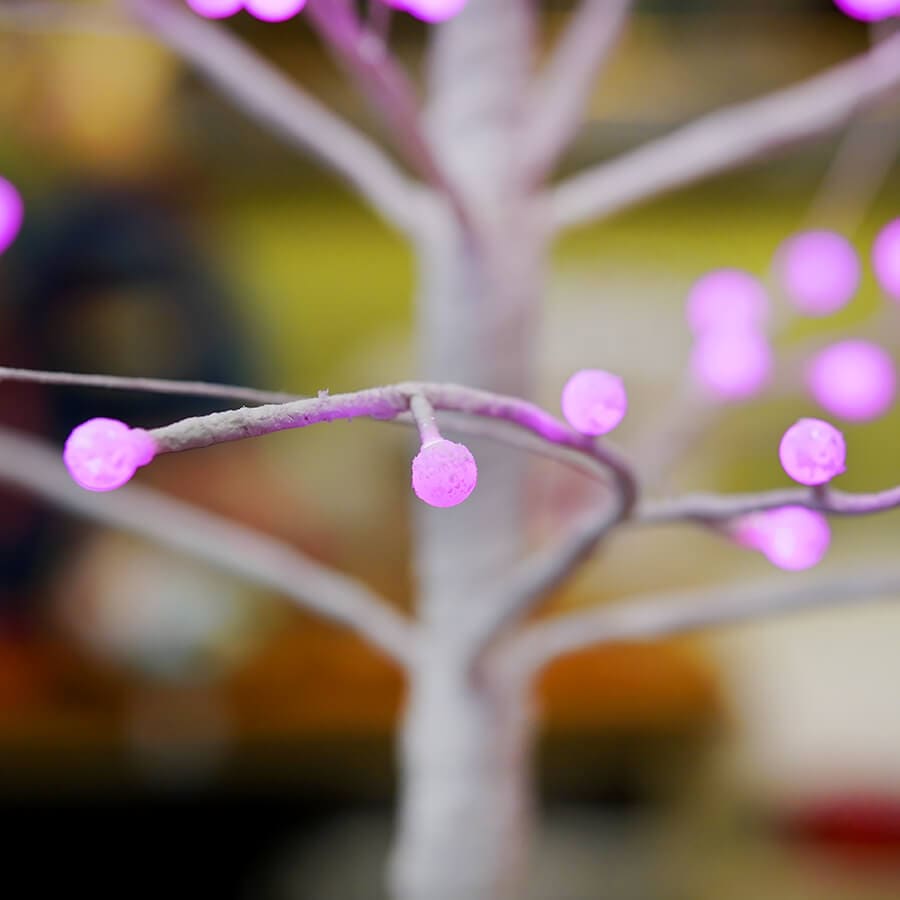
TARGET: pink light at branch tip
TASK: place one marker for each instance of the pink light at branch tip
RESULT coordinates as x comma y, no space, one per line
12,212
216,9
792,537
274,10
103,454
869,10
594,401
433,11
819,271
726,299
812,452
853,379
733,365
444,473
886,259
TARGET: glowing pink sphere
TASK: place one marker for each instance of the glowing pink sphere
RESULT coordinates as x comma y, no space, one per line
274,10
216,9
594,402
812,451
12,212
855,380
444,473
726,299
430,10
886,258
103,454
791,538
819,271
869,10
733,365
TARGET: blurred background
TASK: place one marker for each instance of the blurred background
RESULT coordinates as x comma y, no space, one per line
164,725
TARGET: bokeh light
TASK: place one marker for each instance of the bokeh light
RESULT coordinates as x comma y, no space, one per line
216,9
792,537
430,10
819,271
444,473
726,299
12,212
853,379
594,402
869,10
274,10
733,365
886,258
103,454
812,451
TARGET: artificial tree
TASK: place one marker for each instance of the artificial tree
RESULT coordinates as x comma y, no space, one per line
474,195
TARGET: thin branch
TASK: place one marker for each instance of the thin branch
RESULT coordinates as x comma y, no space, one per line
730,137
658,615
564,87
30,464
267,96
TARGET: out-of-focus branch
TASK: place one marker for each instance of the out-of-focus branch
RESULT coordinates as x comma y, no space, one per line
55,16
30,464
267,96
729,137
659,615
564,86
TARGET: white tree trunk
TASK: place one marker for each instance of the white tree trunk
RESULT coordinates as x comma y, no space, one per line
465,812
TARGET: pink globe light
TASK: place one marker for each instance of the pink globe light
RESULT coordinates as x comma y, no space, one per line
12,212
726,299
855,380
812,451
792,538
869,10
444,473
430,10
103,454
274,10
216,9
886,258
819,271
733,365
594,402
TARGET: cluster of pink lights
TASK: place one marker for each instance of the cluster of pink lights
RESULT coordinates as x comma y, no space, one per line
265,10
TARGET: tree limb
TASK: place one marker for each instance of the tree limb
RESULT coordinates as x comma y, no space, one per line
728,138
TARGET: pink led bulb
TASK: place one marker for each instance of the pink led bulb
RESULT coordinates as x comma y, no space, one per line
853,379
430,10
594,402
792,537
886,259
12,212
216,9
274,10
812,451
103,454
734,365
819,271
869,10
444,473
726,299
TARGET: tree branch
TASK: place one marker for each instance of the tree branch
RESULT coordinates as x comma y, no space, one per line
564,87
730,137
658,615
30,464
269,97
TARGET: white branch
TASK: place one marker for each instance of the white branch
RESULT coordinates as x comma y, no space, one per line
564,87
30,464
268,96
730,137
658,615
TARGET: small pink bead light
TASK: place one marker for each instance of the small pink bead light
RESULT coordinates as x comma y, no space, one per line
733,365
853,379
103,454
726,299
886,259
812,451
216,9
12,212
869,10
594,402
792,538
274,10
819,271
430,10
444,473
